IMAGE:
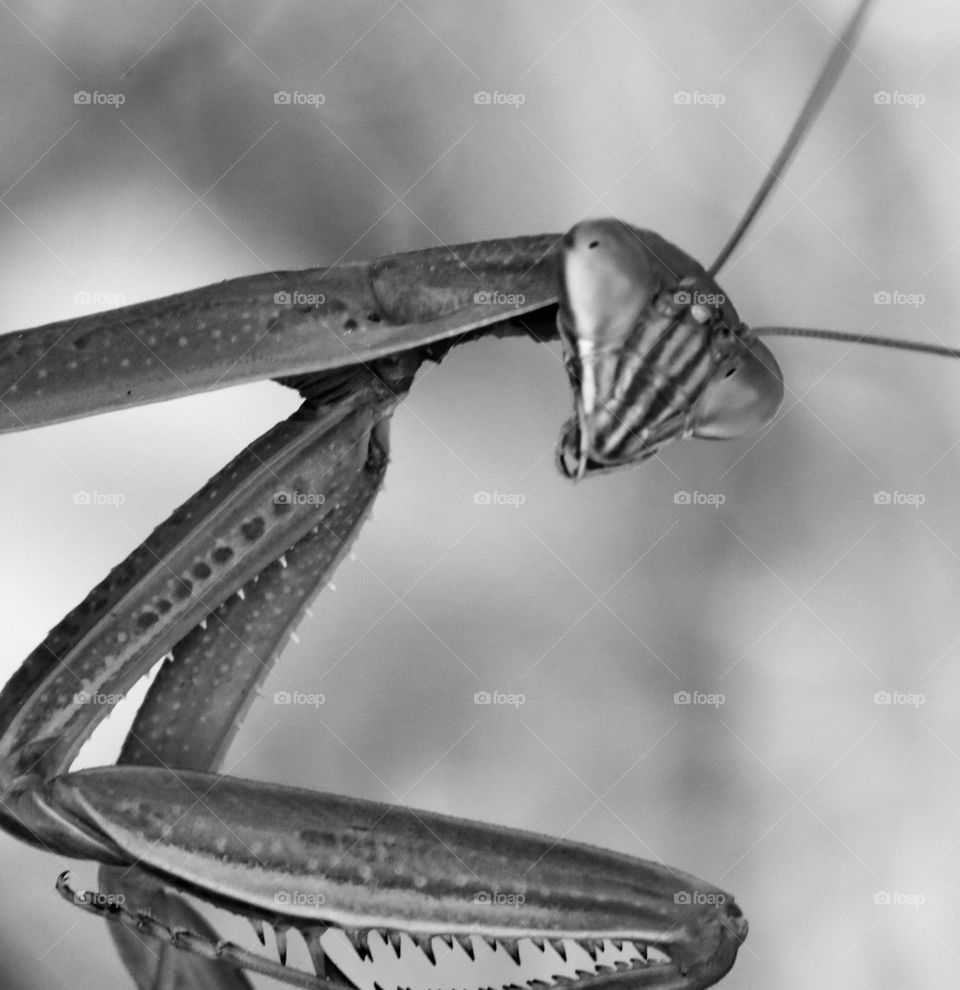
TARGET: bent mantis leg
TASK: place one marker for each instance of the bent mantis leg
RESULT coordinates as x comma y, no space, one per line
245,634
334,847
349,483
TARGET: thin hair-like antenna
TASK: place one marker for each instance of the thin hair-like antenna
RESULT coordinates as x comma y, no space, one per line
818,96
857,338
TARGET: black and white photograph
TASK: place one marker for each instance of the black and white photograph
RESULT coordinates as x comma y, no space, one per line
480,494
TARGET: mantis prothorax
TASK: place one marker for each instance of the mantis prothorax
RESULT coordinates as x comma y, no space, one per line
655,352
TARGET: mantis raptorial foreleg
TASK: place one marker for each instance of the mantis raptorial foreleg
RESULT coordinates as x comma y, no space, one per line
195,704
246,634
160,961
334,849
217,542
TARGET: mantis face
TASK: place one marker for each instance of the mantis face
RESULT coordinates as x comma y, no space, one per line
654,349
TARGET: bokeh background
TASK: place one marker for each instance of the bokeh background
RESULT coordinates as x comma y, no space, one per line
834,819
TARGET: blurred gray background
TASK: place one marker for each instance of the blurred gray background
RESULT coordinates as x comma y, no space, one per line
834,819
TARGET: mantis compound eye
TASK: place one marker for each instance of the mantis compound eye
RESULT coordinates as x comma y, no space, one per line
745,395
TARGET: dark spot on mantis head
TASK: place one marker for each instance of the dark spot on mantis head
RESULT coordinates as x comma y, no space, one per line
373,317
349,324
593,244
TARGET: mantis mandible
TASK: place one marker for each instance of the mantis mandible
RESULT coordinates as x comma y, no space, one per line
388,315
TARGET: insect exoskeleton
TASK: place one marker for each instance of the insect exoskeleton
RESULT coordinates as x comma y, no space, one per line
654,348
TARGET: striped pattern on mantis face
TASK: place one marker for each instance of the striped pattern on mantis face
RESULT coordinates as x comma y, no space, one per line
655,352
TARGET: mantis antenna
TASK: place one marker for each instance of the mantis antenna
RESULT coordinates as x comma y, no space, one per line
858,338
818,96
815,101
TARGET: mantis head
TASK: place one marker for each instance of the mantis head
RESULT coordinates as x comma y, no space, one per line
654,348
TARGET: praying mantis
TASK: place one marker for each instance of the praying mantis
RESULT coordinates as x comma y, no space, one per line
373,398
